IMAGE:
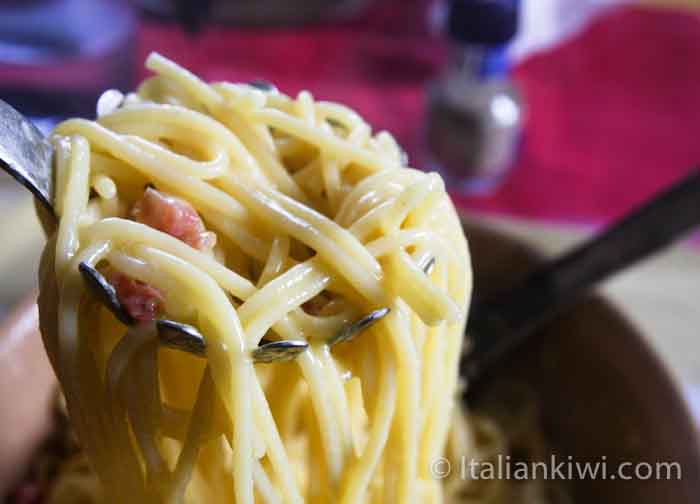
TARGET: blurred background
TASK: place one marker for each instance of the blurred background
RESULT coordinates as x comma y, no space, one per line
548,118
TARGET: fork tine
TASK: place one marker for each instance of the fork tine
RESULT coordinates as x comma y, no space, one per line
263,85
26,155
279,351
181,337
105,292
170,333
349,331
428,268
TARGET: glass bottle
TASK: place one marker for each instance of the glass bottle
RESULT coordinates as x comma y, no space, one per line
474,117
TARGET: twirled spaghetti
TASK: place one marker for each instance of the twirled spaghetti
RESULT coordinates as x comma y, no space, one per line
299,221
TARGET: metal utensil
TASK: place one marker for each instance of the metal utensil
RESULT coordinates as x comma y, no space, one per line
26,155
176,335
279,351
499,325
349,331
106,293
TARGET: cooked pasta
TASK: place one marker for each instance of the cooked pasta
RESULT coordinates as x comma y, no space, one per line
254,217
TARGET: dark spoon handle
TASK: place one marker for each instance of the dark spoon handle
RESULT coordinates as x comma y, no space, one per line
501,324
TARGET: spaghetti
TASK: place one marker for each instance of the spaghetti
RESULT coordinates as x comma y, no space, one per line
252,215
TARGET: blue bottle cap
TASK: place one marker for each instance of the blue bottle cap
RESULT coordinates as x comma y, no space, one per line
485,22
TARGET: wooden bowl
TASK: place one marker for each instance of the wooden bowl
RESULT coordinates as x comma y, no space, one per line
27,392
602,390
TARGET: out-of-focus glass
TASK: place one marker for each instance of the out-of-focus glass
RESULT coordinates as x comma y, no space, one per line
474,121
56,56
262,12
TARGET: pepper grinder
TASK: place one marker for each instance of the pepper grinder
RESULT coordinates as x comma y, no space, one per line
474,115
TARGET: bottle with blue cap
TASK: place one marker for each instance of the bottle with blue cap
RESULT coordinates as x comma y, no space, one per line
474,111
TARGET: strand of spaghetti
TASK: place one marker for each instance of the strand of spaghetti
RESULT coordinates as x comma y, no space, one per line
214,469
148,137
79,380
125,477
280,296
405,427
142,400
253,139
176,303
62,150
433,373
331,182
304,108
338,397
372,191
335,245
231,369
358,473
415,196
307,178
241,97
385,143
103,185
324,141
111,206
250,244
340,113
409,282
74,201
196,191
432,442
435,244
123,362
275,447
161,90
433,355
128,179
200,422
187,126
360,134
318,394
126,396
123,233
276,260
322,328
392,212
216,166
264,486
289,147
189,82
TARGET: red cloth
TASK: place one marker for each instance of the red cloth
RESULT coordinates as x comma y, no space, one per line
613,115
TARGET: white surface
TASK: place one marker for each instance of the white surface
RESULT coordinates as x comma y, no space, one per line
21,245
545,23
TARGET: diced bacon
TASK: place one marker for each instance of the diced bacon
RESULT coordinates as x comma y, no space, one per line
142,301
173,216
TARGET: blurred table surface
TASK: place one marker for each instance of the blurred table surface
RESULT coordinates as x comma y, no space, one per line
23,241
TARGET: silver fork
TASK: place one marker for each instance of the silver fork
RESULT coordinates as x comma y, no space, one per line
27,156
